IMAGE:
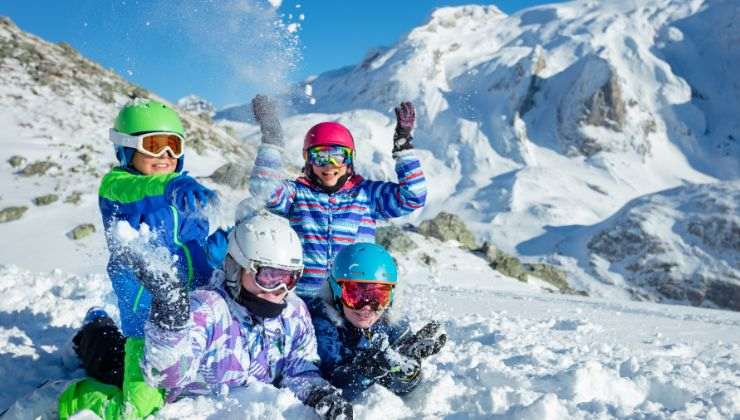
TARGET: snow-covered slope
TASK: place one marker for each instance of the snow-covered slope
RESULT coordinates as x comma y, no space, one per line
55,111
512,353
678,245
555,117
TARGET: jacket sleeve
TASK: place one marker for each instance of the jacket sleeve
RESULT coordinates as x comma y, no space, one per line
267,185
172,358
301,372
390,199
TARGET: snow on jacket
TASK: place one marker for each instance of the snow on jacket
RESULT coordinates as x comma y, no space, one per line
326,223
339,342
223,346
126,195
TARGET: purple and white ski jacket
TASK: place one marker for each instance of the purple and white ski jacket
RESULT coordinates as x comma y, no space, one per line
224,346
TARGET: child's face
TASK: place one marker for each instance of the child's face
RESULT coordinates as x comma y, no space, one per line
329,174
362,318
248,282
147,165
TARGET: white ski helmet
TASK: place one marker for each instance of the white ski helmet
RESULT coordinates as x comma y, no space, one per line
265,239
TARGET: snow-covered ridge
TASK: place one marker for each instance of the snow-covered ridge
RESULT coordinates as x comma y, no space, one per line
55,111
553,117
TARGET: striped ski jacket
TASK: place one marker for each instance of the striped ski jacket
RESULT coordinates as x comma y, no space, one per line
326,223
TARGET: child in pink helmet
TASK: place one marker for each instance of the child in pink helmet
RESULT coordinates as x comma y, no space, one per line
331,206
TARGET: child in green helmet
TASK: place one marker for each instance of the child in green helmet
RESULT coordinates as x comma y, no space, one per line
148,192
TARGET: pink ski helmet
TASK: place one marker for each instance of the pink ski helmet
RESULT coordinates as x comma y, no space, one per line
328,133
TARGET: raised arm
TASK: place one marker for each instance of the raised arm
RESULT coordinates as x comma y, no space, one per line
267,182
392,199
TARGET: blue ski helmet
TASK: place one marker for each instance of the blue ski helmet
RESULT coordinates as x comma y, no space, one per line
364,262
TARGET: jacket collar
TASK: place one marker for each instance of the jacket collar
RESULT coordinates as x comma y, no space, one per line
352,182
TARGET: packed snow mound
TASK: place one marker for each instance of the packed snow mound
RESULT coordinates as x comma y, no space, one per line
680,245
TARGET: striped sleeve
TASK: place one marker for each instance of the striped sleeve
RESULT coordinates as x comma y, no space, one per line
391,199
267,185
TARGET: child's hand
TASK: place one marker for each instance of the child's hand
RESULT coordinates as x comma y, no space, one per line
427,341
187,194
405,117
170,308
265,112
328,403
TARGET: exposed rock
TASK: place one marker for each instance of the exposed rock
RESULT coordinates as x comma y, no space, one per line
726,295
74,197
45,200
551,275
509,265
81,231
427,259
17,161
698,262
502,262
8,214
394,239
446,227
39,167
231,174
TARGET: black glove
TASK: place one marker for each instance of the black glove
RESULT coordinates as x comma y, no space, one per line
405,117
380,360
328,403
170,308
427,341
265,112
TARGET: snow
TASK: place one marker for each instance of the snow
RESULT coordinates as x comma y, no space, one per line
490,90
513,351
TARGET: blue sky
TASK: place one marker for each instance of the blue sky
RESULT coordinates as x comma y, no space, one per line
175,48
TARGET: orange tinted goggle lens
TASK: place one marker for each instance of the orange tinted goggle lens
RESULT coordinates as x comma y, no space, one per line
356,295
157,143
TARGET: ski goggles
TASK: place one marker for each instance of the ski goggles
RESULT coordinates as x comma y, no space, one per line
271,279
357,295
329,155
151,144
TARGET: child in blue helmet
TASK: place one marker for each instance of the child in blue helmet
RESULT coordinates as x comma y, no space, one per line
358,342
147,188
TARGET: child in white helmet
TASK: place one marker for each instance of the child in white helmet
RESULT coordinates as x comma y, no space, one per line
197,343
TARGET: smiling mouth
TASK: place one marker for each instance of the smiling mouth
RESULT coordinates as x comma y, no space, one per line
329,173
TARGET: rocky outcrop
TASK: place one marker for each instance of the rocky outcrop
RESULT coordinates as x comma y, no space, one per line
594,98
81,231
394,239
45,200
448,227
9,214
231,174
679,245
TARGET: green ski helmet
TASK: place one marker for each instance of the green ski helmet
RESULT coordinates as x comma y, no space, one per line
142,116
365,262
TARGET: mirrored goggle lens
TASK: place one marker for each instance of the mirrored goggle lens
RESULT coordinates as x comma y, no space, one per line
329,155
356,295
157,144
270,279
